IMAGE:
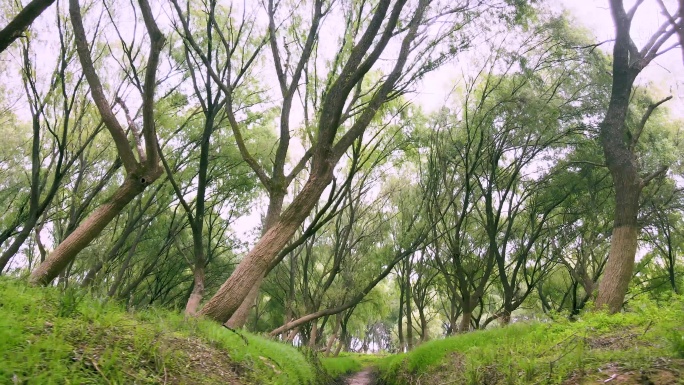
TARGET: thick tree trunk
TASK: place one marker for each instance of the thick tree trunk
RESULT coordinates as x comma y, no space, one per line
86,232
256,263
618,147
464,326
623,245
239,318
275,207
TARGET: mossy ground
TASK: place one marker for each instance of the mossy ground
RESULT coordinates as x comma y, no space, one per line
53,337
644,345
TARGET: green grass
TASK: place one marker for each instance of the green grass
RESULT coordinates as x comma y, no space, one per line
340,366
348,363
49,337
646,342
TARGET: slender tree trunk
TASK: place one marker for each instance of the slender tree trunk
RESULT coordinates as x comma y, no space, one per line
199,267
86,232
400,325
313,335
333,335
409,317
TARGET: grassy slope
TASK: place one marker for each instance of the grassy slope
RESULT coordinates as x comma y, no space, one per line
47,337
643,346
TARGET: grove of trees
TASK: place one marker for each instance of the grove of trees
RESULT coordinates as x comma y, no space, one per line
290,167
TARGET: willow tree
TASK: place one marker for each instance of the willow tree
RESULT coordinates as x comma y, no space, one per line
619,140
340,89
141,171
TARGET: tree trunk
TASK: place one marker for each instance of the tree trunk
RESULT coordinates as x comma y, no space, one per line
409,316
86,232
464,326
197,292
400,325
333,335
623,245
313,335
255,264
275,207
239,318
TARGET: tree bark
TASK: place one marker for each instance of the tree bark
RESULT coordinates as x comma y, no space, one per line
623,245
464,326
275,208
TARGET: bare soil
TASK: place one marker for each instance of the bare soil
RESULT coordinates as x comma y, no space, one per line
364,377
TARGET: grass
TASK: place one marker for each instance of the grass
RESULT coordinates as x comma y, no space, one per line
642,345
341,365
348,363
50,337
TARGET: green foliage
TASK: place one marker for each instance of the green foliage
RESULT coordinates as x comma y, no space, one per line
596,344
48,337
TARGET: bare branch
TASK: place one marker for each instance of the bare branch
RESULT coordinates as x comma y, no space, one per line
117,132
648,178
644,119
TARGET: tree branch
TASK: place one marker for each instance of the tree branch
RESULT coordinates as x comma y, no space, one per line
15,29
644,119
117,132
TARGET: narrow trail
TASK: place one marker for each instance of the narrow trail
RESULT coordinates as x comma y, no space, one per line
364,377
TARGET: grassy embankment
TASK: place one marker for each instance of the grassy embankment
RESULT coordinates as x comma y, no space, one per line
644,345
49,337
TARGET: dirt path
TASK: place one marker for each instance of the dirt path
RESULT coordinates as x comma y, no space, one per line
364,377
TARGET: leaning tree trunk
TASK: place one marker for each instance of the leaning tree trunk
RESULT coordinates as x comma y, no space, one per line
255,264
86,232
240,316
